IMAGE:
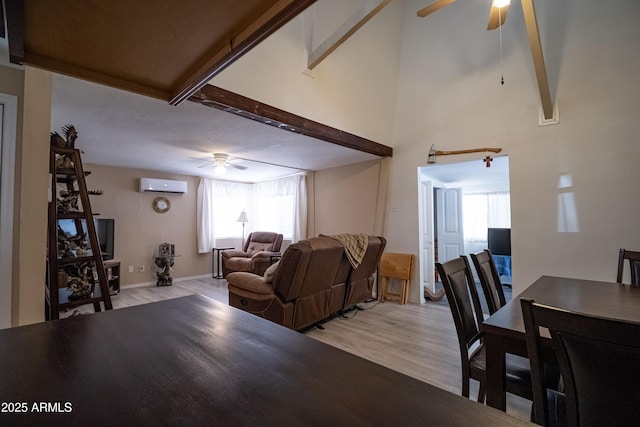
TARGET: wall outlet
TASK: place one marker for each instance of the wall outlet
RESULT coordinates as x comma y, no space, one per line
131,269
141,268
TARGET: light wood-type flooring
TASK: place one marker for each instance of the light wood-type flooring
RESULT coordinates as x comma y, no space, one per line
417,340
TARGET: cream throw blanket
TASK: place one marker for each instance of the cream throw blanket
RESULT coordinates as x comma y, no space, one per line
355,246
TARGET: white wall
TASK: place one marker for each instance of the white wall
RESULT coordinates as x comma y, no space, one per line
354,89
449,95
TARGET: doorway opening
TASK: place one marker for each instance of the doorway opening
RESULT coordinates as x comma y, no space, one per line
458,203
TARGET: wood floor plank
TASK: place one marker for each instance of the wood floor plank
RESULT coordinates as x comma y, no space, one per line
417,340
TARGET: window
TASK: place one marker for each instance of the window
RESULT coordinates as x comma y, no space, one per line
279,206
229,199
484,210
276,213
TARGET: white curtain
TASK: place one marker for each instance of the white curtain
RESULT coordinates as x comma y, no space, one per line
282,205
205,228
300,204
499,210
484,210
279,205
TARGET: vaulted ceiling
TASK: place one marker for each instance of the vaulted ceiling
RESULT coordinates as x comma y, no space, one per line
169,50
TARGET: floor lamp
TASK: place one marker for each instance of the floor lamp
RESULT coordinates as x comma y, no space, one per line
243,218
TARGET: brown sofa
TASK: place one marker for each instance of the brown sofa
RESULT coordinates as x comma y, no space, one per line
256,254
313,280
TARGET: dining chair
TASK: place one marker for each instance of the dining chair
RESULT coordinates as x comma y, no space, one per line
489,280
464,302
634,266
598,359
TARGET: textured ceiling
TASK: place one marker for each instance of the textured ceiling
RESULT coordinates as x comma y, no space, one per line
119,128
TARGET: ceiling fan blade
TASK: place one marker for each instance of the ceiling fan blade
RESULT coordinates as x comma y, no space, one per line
201,158
497,17
231,165
433,7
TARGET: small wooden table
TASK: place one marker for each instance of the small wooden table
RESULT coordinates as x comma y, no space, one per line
504,330
195,361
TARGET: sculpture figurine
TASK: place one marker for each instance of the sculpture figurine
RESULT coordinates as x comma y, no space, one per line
164,275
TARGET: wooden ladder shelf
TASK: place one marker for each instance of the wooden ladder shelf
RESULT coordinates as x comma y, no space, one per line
75,269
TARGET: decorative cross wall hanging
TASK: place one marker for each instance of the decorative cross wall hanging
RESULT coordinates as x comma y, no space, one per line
433,153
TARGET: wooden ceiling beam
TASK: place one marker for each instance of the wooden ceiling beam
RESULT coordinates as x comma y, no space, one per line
221,99
368,10
278,15
15,30
538,59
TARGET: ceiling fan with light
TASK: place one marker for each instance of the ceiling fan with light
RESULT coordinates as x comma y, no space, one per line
221,161
497,14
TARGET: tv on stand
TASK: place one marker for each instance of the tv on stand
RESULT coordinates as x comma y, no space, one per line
105,229
499,241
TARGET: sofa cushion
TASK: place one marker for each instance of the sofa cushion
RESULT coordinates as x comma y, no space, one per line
249,283
239,264
270,273
259,247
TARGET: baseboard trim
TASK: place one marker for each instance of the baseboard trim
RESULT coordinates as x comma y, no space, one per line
177,279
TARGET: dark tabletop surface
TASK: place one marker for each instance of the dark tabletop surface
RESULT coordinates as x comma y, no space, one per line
586,296
194,361
504,330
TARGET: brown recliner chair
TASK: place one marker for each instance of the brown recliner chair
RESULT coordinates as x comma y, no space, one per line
256,255
311,283
361,279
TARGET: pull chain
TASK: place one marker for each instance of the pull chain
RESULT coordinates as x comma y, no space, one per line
500,31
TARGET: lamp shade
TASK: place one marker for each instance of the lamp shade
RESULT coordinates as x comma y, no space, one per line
243,217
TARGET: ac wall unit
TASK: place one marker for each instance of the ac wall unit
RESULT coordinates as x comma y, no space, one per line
152,185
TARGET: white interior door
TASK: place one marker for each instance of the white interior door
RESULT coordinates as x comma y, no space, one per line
427,266
8,116
449,223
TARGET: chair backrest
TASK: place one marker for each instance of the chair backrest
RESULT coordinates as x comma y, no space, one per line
361,279
634,265
307,267
263,241
489,279
464,301
598,360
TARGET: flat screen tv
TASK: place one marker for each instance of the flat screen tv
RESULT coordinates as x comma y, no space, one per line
105,230
499,241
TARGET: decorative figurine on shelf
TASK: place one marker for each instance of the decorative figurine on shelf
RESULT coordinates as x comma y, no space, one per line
80,280
67,243
69,141
82,250
64,249
167,250
71,135
64,162
67,202
57,140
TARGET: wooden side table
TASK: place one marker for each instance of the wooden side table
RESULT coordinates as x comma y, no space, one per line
215,255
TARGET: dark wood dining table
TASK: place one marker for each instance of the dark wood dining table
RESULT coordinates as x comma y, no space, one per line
195,361
504,330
